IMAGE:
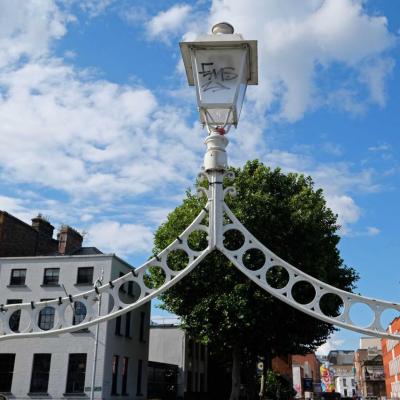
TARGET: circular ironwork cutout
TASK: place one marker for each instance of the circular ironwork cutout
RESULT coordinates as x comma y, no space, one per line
233,239
80,312
277,277
303,292
19,321
129,292
177,260
388,316
331,305
154,277
46,318
197,240
253,259
361,314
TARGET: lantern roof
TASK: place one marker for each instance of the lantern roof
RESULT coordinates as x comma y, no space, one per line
221,38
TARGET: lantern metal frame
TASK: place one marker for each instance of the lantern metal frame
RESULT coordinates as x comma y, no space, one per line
222,42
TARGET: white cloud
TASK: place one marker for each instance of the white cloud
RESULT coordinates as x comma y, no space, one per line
333,149
16,207
380,148
123,239
300,42
66,129
373,75
373,231
347,210
95,7
97,141
338,181
28,27
332,343
168,22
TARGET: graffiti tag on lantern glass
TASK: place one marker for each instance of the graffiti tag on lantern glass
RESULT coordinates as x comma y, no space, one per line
215,78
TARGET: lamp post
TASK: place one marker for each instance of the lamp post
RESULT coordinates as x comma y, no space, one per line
97,284
220,65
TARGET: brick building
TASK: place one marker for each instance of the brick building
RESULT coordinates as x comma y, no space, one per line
368,363
306,367
18,239
391,361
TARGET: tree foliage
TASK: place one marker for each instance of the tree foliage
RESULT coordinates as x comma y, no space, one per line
220,306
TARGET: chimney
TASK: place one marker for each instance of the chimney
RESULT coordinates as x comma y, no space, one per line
69,240
44,228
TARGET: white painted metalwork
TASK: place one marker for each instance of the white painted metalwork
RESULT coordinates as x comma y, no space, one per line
215,169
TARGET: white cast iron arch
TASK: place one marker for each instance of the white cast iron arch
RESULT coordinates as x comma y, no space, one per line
215,165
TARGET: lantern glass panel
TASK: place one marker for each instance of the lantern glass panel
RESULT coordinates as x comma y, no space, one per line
220,77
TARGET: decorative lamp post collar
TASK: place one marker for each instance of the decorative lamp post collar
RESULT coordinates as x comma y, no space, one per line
220,65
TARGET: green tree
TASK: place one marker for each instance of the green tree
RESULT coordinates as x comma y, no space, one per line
221,307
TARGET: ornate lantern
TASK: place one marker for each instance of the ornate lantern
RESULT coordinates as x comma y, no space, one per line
220,65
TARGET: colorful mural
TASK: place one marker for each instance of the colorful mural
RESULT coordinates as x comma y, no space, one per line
327,381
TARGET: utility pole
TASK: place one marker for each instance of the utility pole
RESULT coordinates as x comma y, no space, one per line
98,283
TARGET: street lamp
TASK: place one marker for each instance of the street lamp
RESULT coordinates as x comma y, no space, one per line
220,65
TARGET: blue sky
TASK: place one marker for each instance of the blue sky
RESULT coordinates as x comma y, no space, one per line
99,130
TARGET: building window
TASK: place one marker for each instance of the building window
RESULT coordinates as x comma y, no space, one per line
6,371
18,277
85,276
124,375
353,383
114,383
79,312
202,352
46,317
189,381
15,316
139,378
202,383
345,392
344,382
40,373
51,276
128,324
76,373
190,348
130,288
118,322
141,326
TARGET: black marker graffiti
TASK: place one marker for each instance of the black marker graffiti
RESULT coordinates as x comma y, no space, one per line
215,77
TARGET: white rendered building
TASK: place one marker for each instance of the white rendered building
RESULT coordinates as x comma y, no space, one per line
60,367
345,384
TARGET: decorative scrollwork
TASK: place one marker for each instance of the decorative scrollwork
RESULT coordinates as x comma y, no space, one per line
202,176
229,175
202,192
231,191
